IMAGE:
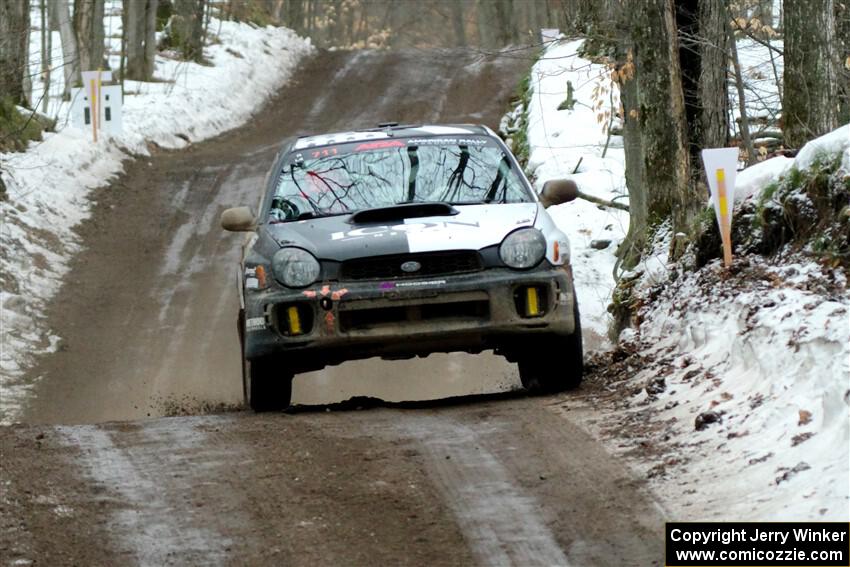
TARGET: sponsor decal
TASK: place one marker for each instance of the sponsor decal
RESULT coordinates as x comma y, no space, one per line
407,228
428,283
447,142
255,323
379,145
251,279
389,286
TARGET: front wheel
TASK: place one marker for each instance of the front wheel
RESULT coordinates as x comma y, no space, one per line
556,364
266,386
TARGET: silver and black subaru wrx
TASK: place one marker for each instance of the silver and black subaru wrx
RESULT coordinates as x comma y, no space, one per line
402,241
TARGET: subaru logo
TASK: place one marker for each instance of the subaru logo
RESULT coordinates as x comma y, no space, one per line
410,267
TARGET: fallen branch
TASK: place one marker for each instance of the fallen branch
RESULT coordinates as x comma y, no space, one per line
603,202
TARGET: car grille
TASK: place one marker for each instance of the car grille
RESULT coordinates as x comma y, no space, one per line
432,264
368,319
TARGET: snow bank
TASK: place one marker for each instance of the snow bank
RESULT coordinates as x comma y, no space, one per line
753,179
49,183
561,141
772,359
829,145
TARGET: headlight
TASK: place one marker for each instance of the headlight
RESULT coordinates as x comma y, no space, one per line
295,267
523,249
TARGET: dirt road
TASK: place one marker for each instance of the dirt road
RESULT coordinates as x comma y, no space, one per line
500,482
147,321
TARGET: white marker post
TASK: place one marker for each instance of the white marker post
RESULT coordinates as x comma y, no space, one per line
721,166
92,81
548,35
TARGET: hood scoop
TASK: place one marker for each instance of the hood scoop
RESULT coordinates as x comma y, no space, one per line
401,212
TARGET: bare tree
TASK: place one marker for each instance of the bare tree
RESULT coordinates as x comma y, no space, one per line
713,96
70,53
149,61
88,26
14,42
842,36
46,49
458,23
140,36
744,125
810,106
187,28
660,110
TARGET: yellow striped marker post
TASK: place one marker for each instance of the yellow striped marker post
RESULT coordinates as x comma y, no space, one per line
721,166
725,228
92,82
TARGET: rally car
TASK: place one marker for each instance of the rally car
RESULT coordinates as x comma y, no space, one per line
402,241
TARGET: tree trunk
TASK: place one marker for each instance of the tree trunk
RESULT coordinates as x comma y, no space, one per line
187,28
690,41
26,75
149,32
505,25
842,35
14,43
295,15
134,28
810,78
70,53
458,23
744,125
486,23
662,117
88,27
46,45
713,96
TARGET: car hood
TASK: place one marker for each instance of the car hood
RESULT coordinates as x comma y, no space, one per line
473,228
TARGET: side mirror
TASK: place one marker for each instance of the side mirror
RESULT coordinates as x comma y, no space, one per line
238,219
557,191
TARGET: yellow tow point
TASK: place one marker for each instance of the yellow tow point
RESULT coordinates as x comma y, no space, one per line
294,320
532,302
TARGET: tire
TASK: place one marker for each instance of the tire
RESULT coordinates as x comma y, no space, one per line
266,386
541,374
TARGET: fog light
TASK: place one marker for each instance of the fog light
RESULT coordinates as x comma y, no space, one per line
532,302
294,321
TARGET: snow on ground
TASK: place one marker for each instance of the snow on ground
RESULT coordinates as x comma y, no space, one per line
561,141
764,349
48,185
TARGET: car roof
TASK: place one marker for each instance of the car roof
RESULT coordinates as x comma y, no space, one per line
392,130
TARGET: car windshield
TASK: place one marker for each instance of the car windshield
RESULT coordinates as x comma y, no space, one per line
344,178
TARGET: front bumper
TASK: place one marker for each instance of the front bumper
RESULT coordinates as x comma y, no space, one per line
341,321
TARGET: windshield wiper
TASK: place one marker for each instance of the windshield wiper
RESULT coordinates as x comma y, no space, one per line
317,215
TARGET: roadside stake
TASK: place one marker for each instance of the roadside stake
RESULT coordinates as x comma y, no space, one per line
721,166
93,83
